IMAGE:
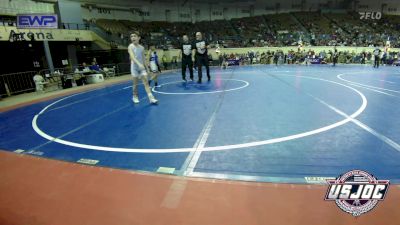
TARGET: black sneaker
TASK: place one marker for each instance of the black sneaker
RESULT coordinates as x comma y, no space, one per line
209,79
199,81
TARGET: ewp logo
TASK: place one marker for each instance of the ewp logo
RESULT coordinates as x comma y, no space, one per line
370,15
37,21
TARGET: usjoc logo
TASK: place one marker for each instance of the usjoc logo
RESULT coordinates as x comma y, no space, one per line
370,15
37,21
356,192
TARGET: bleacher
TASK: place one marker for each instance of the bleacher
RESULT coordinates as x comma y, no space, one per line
269,30
285,29
112,26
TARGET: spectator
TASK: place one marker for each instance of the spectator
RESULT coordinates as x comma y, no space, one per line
95,68
376,53
164,61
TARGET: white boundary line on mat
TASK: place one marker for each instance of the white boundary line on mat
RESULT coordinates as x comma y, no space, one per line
213,148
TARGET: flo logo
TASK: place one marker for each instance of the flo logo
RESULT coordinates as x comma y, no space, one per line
370,15
356,192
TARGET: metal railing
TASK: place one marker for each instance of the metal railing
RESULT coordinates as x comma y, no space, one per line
123,68
74,26
107,36
16,83
47,72
22,82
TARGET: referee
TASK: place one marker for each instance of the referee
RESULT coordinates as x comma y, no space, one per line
186,57
201,56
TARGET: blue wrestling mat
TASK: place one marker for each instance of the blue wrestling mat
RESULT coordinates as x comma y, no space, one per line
294,124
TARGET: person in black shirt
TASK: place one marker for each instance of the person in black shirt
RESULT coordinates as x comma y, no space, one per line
335,57
186,57
363,57
276,56
251,56
201,56
377,53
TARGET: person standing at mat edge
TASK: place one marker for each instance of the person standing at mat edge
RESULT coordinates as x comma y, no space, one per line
186,57
154,67
138,67
335,56
201,56
377,53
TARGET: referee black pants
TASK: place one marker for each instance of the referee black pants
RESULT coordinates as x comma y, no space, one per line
376,62
187,62
202,60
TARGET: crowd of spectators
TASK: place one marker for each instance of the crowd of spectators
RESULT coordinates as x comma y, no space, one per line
285,29
302,56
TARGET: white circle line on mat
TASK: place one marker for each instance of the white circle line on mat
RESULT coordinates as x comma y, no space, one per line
199,93
212,148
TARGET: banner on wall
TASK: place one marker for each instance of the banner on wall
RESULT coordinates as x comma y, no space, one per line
13,34
37,21
233,62
315,61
